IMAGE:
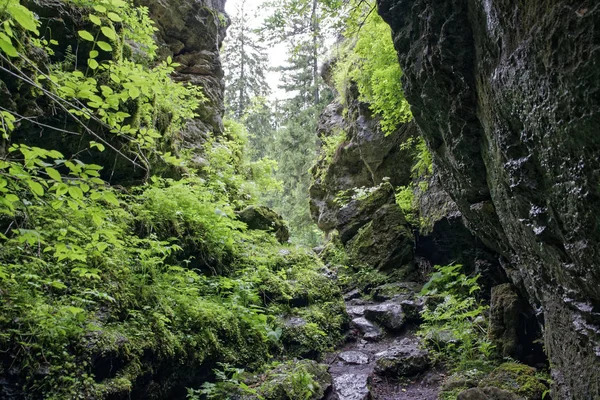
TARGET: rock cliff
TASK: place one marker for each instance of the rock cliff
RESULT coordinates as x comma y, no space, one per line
189,31
192,32
506,95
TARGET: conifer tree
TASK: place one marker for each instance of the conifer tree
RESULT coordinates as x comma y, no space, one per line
246,63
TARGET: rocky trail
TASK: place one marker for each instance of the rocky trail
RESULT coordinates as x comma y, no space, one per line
383,358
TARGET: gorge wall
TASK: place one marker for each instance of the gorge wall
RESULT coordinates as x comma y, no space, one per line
507,97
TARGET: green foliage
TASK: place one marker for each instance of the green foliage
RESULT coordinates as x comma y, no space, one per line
292,380
454,320
405,198
329,146
232,175
422,169
102,287
369,60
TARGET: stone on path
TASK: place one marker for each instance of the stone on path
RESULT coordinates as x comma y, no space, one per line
369,331
351,387
403,359
388,314
354,357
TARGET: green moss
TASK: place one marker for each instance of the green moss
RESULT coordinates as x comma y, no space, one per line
517,378
295,380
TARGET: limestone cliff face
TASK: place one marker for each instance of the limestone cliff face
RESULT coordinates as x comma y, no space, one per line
506,95
354,181
192,32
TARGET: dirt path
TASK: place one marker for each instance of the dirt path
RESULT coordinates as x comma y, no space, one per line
355,371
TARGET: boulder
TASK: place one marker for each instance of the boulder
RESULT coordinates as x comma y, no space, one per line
385,243
517,378
506,96
504,319
354,357
368,330
396,291
389,315
405,358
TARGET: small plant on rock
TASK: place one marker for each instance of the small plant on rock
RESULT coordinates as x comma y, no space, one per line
454,323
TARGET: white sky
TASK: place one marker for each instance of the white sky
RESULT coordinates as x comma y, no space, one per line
277,54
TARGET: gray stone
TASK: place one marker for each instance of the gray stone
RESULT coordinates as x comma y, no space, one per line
388,314
412,309
368,330
351,387
403,359
355,311
353,294
354,357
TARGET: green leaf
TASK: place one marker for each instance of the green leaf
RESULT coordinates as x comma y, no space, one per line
94,53
54,174
97,145
95,20
93,64
134,92
109,32
23,16
76,192
109,197
114,17
85,35
104,46
100,9
58,285
62,189
36,188
13,198
8,48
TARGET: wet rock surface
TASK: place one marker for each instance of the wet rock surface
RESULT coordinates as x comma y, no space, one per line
506,96
389,315
380,362
367,329
354,357
351,387
404,358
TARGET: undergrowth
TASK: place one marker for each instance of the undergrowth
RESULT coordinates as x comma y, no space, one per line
454,326
137,291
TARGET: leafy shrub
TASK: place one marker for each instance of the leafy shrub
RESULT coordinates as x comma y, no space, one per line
368,59
454,319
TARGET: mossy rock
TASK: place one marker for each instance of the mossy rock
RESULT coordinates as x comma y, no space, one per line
265,219
292,380
386,243
516,378
403,290
314,330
